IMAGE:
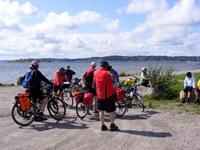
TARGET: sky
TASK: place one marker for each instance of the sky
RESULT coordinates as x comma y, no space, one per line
97,28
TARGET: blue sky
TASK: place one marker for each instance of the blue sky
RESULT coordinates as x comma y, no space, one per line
87,28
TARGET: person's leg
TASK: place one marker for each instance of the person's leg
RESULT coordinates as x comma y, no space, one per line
44,103
102,117
112,117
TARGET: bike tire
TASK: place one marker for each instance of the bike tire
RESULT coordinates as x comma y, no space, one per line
81,109
23,118
120,108
56,109
68,99
139,103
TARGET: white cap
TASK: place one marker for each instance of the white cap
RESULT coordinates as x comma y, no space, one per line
93,64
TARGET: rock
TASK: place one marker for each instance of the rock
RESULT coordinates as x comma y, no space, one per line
20,80
145,91
192,97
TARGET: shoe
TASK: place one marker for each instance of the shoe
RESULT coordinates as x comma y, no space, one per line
113,127
188,100
41,115
183,100
196,100
96,114
104,128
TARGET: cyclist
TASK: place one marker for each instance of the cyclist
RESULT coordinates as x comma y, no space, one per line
105,91
88,80
69,73
59,77
35,91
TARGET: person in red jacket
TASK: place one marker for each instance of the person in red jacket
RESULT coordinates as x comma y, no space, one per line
105,92
59,77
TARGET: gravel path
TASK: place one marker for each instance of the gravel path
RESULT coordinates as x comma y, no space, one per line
151,130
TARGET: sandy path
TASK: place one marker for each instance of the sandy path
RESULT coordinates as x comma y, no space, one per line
151,130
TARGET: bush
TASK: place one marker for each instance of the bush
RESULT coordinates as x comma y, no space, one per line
163,81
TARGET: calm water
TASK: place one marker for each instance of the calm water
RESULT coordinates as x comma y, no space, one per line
10,72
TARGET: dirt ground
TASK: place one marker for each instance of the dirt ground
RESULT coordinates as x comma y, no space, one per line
151,130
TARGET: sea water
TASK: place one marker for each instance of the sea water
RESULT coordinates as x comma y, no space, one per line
10,72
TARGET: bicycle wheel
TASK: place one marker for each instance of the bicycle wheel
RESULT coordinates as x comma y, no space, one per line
120,108
81,109
23,118
68,99
139,103
75,88
56,109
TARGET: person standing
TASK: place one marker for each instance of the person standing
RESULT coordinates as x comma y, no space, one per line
35,91
189,84
105,92
88,80
69,73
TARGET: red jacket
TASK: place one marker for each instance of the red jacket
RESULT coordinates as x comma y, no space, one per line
103,83
58,78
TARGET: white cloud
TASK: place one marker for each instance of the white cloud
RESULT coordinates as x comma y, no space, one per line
166,30
145,6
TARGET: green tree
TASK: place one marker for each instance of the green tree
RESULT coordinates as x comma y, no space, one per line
163,81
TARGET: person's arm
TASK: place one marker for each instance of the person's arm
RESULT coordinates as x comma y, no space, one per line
42,77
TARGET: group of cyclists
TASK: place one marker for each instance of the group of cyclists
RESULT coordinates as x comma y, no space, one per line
99,82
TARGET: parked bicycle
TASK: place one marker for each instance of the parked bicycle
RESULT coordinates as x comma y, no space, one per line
68,90
25,109
130,95
84,103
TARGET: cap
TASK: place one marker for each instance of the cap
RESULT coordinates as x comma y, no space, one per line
144,68
93,64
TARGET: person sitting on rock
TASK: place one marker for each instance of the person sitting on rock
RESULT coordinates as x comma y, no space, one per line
145,79
197,92
189,85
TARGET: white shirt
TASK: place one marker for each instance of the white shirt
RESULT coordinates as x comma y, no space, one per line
189,82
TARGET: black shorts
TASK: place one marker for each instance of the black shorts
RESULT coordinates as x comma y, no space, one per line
56,88
37,95
145,82
107,105
188,89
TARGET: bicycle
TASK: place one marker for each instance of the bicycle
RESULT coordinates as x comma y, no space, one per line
75,85
82,108
24,116
69,90
129,94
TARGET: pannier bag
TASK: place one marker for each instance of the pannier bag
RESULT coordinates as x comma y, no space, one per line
66,85
119,94
24,101
78,95
128,82
88,98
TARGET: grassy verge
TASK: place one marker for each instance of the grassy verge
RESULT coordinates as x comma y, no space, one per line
174,105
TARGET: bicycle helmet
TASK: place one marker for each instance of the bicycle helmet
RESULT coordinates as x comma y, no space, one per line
189,74
104,64
62,71
35,64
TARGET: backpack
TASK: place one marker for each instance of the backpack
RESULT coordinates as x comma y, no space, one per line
89,78
27,79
